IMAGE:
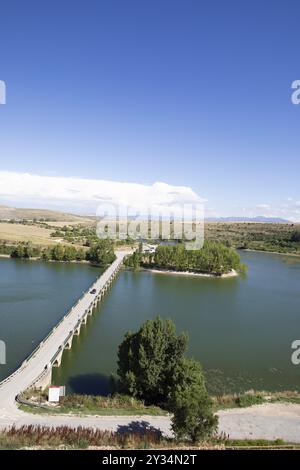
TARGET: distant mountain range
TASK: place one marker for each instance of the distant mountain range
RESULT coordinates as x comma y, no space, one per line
258,219
7,212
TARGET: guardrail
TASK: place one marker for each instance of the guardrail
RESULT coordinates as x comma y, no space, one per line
23,401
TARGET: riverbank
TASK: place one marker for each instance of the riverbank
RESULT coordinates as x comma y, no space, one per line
232,273
36,402
297,255
42,260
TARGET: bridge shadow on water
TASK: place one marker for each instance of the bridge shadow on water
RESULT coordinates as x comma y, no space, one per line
91,384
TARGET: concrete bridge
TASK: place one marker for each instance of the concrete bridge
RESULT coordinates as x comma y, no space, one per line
36,370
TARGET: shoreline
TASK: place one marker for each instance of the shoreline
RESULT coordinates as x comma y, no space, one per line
232,273
74,261
297,255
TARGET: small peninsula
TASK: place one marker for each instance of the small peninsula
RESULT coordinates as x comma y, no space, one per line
214,259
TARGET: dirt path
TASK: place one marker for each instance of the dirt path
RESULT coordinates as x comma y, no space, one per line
269,421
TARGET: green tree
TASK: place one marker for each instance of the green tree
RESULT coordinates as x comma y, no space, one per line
193,417
147,360
18,252
58,253
80,255
47,254
28,251
213,257
6,249
69,253
134,260
295,236
102,252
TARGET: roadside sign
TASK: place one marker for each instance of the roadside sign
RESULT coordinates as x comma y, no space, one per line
54,394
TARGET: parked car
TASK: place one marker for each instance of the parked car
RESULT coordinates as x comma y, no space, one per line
93,291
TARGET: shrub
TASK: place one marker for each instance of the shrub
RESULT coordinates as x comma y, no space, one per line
147,360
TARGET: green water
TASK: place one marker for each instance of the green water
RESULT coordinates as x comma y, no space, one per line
241,329
33,298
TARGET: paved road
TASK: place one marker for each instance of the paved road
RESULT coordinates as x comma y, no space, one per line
270,421
30,370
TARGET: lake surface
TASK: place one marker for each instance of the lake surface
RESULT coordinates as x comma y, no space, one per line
34,296
240,329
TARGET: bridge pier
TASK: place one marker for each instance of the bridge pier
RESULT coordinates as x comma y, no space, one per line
77,330
68,344
57,361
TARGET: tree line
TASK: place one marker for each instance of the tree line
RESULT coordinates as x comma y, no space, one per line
101,252
212,258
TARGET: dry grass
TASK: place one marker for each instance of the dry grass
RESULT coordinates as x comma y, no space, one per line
145,437
253,397
45,437
26,233
7,212
83,221
35,234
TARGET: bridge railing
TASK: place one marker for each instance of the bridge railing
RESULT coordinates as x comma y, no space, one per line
47,337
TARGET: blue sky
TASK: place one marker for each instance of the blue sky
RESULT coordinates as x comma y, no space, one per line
189,93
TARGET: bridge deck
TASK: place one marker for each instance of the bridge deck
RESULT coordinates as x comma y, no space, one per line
35,365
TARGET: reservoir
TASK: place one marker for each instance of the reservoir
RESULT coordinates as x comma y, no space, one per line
34,296
240,329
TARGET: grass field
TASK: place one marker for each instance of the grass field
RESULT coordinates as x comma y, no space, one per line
117,405
13,213
25,233
147,411
59,224
35,234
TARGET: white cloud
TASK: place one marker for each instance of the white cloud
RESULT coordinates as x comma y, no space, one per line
263,206
85,195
